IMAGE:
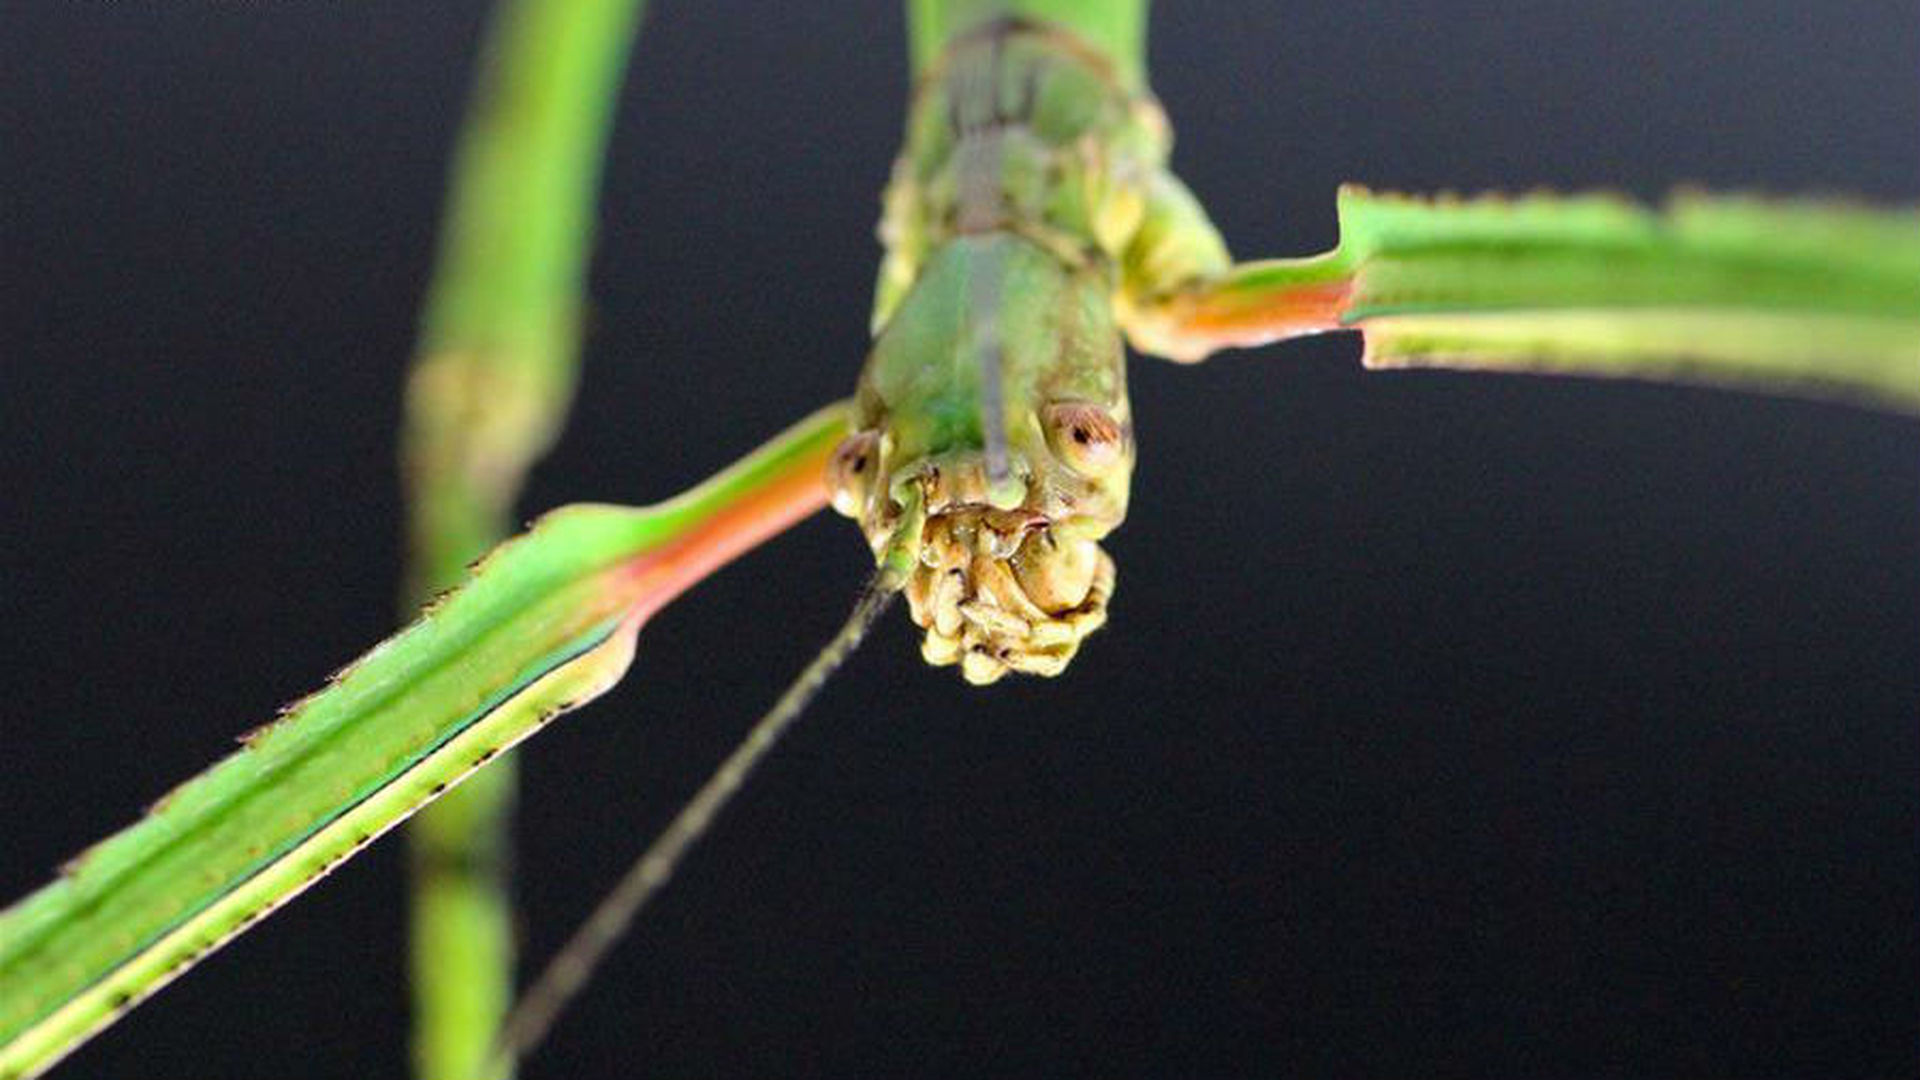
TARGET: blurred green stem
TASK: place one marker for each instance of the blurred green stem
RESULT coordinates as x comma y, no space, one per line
490,387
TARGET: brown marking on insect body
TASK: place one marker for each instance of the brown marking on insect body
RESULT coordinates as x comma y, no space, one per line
485,756
362,840
121,1001
294,706
439,597
439,787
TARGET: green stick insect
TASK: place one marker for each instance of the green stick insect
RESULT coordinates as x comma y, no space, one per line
1032,228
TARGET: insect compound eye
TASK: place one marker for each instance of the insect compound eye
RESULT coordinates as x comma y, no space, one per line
851,470
1086,436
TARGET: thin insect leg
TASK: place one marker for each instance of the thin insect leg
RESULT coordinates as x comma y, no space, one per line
571,969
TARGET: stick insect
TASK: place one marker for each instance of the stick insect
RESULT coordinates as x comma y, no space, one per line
1032,718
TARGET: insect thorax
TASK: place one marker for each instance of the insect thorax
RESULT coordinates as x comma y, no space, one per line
1005,224
1022,127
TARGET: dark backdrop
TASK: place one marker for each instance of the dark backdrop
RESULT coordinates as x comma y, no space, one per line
1446,725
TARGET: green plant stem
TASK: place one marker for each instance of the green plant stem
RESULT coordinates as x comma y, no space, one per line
491,386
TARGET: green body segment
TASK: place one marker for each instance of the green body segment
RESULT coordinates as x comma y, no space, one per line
500,333
545,624
1778,295
493,379
1117,29
1023,124
1053,334
579,671
1030,194
1542,252
1797,297
1868,361
540,119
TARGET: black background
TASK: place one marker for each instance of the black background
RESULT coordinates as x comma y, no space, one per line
1446,725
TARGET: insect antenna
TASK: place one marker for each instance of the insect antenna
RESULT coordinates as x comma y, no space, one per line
985,295
574,965
994,416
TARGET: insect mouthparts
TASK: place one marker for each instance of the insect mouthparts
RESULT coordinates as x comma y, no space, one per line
998,591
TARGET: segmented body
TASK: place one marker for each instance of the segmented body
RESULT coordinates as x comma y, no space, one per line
1020,215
